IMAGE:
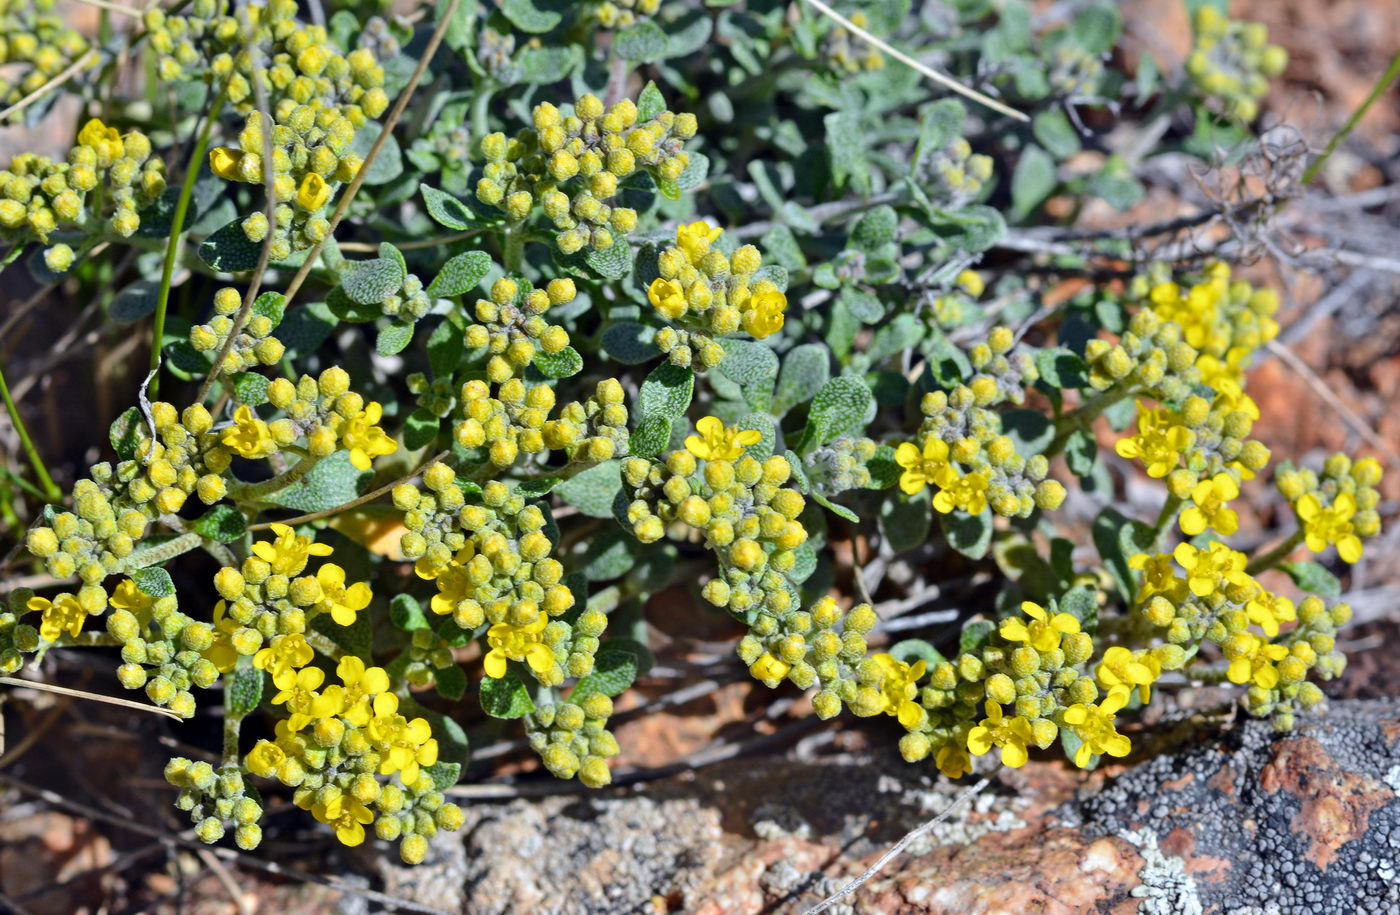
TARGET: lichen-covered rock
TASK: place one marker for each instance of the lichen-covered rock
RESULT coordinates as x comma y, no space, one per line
1307,822
1213,818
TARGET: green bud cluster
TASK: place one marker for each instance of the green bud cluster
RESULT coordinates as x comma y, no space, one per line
571,166
1150,356
438,397
495,51
114,506
847,53
572,738
254,344
511,326
1232,61
743,509
16,638
957,306
485,549
163,649
620,14
427,652
705,293
216,800
819,647
36,44
840,465
982,457
1075,72
415,815
955,174
517,420
39,195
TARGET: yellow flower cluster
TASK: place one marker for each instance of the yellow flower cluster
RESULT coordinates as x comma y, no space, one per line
1336,507
962,450
36,44
511,326
571,165
336,748
317,96
1233,61
742,506
488,554
322,410
704,293
1029,683
819,647
39,195
517,421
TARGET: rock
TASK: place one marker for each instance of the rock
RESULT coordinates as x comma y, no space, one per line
1212,818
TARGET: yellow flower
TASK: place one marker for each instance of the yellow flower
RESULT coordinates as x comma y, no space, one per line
1209,569
898,687
769,669
221,652
953,760
1094,726
764,316
340,602
1159,442
695,239
921,467
314,192
264,759
716,442
285,652
1322,526
517,643
668,298
248,436
1121,668
1158,574
224,162
1267,610
131,598
364,438
967,492
347,816
297,689
361,683
1209,509
1011,734
1044,631
289,553
63,614
1252,659
105,141
404,745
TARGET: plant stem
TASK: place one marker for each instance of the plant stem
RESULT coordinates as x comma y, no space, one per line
161,552
232,725
1276,555
367,497
51,490
513,254
1377,91
177,229
481,103
254,492
1165,519
1081,416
